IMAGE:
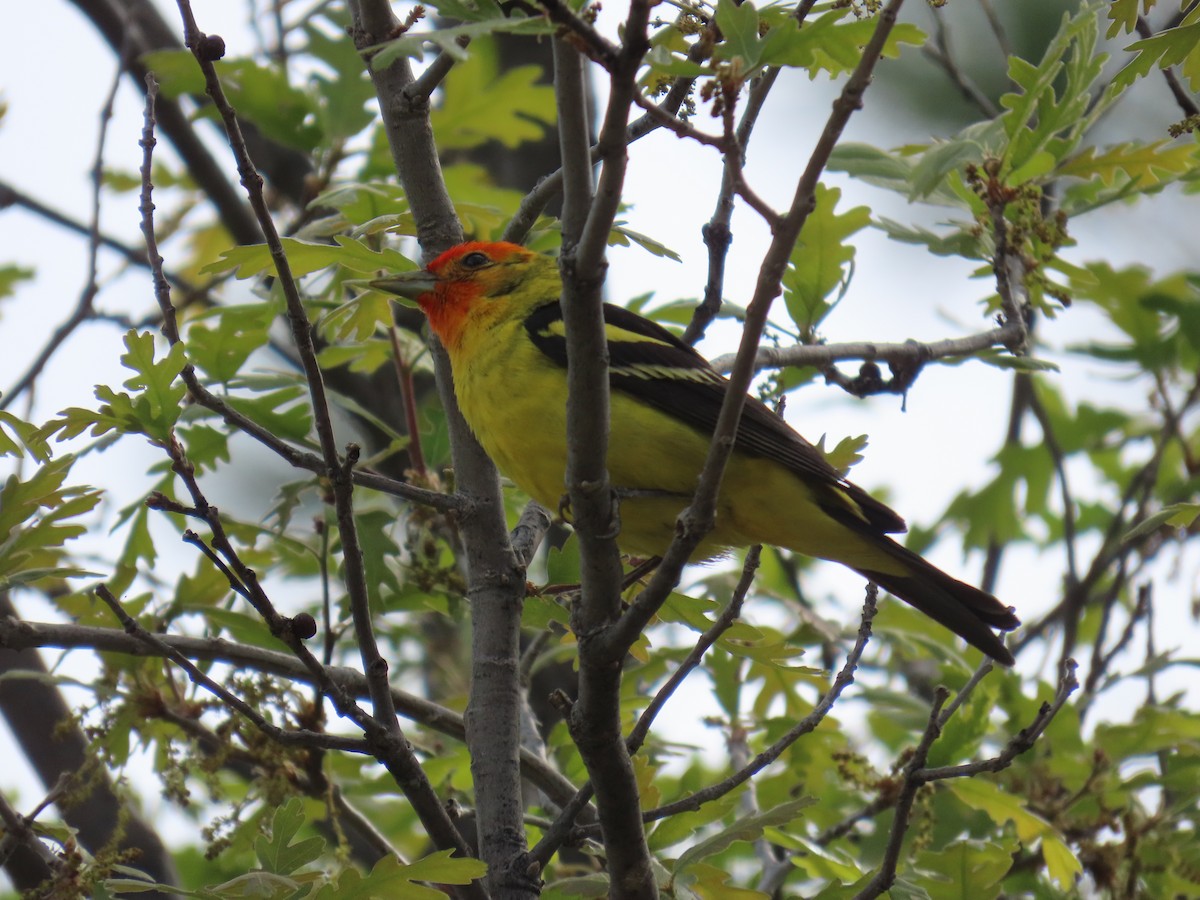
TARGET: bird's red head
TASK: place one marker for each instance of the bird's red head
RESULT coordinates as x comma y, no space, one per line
476,284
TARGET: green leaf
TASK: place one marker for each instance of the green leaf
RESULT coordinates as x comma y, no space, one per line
739,26
221,351
391,879
176,71
1036,119
872,165
361,202
277,411
152,411
358,319
846,454
481,104
1062,864
961,242
820,262
36,518
825,43
965,869
305,257
1148,165
973,144
621,236
1001,807
29,576
11,276
157,407
747,828
1178,47
276,852
345,98
1123,14
26,437
1177,515
260,94
825,863
1002,360
379,549
1152,729
412,43
683,826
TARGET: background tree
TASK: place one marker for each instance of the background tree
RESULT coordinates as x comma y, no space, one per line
333,685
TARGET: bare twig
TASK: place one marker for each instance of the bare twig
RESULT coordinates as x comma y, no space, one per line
697,519
297,737
1021,742
382,729
561,830
298,458
886,876
944,57
496,577
408,396
844,678
422,88
19,833
83,307
16,634
906,355
595,720
716,233
729,615
589,40
547,188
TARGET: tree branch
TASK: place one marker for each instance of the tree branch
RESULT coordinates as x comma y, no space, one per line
496,577
16,634
844,679
696,521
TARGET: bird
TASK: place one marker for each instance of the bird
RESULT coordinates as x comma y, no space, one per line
495,307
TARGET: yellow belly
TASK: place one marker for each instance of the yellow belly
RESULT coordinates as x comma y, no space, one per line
520,421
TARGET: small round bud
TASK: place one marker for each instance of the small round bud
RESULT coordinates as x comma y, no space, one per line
304,626
211,47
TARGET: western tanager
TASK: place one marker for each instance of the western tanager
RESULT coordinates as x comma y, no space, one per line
495,307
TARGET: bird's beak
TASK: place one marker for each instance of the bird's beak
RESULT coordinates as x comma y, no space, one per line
412,285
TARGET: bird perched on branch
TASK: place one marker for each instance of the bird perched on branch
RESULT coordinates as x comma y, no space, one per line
495,308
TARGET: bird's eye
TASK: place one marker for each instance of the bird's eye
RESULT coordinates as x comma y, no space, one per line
476,260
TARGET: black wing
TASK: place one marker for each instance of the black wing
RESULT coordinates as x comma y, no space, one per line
651,364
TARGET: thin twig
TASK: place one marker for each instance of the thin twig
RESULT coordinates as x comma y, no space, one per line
716,233
906,355
729,615
298,737
297,458
422,88
595,720
563,827
84,305
886,876
18,832
1020,743
548,187
844,679
336,469
588,39
695,521
19,634
382,730
408,397
944,57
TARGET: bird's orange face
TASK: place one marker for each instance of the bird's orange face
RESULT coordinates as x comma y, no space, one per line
452,289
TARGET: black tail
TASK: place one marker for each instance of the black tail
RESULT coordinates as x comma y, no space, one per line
967,611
